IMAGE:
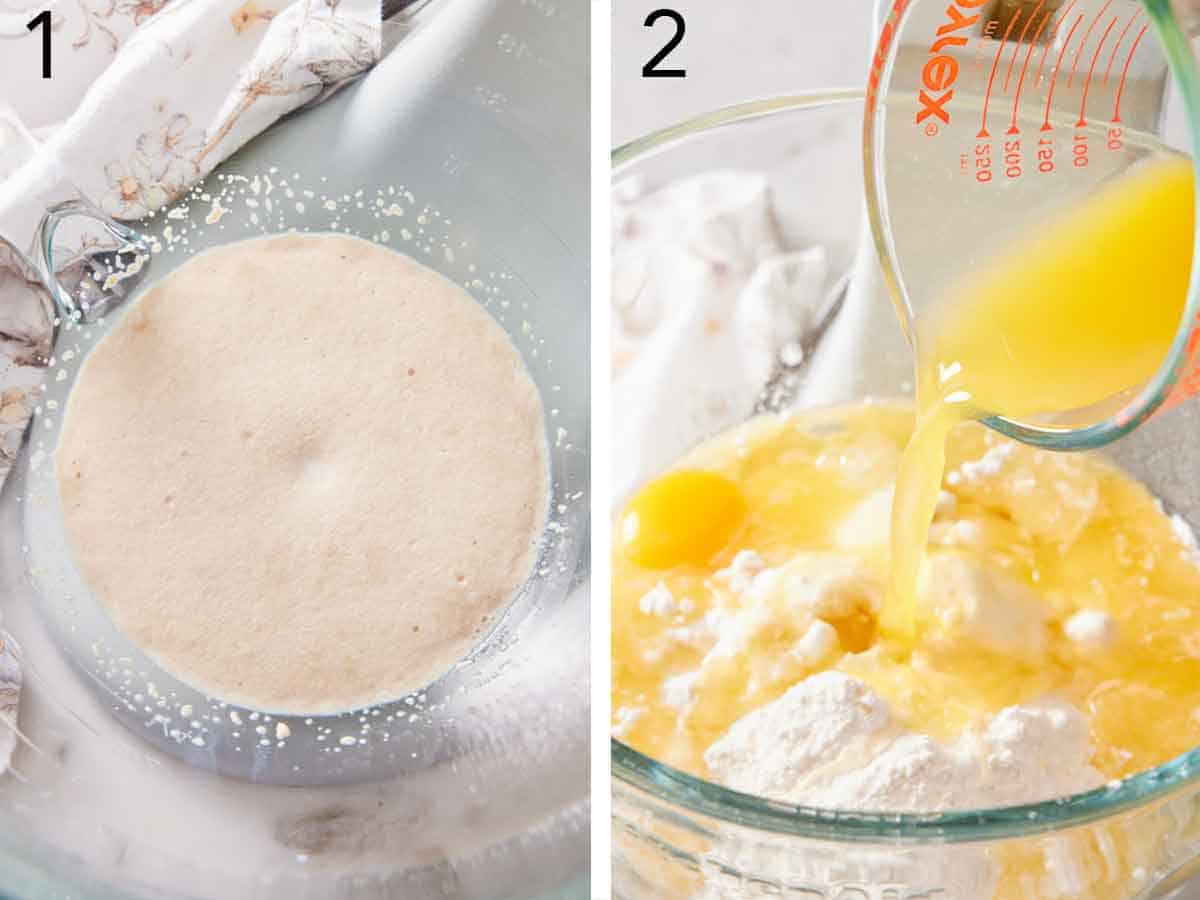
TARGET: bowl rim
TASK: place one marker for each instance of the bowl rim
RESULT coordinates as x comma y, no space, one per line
665,783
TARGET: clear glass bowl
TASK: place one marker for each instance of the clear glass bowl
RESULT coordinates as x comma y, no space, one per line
676,835
480,788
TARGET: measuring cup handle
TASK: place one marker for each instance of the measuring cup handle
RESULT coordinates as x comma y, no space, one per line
89,280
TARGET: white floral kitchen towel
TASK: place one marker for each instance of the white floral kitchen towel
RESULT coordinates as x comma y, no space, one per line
146,97
188,82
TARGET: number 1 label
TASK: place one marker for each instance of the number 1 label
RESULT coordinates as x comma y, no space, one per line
42,21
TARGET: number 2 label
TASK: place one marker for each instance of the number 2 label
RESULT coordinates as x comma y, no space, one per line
650,69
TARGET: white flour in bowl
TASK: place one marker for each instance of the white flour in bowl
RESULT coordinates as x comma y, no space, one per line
833,743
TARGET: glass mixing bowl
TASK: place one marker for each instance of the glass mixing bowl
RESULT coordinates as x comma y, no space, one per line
676,835
133,785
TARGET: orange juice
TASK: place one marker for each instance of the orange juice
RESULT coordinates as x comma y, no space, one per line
1062,320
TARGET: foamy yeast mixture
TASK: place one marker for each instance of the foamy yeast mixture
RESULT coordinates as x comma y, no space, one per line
303,472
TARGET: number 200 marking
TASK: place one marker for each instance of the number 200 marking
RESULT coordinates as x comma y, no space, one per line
1012,158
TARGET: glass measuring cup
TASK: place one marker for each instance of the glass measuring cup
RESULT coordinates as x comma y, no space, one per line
984,118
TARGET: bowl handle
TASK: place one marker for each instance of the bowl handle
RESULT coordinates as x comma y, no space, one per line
89,270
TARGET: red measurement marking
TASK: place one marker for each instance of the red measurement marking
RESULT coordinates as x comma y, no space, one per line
1057,67
1012,129
1087,34
1020,41
1053,35
1087,84
1124,31
1125,73
987,97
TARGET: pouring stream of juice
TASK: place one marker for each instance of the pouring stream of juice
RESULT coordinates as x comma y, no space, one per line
1062,320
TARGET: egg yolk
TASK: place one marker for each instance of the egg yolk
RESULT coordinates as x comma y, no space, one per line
687,516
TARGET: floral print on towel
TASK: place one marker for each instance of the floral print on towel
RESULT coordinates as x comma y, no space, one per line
161,166
295,53
247,14
109,21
